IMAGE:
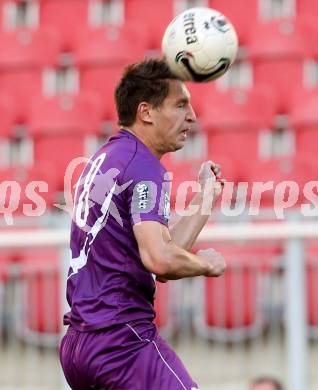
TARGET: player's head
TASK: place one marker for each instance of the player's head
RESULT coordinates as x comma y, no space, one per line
150,97
266,383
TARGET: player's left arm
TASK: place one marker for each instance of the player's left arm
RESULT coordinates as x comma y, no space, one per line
186,230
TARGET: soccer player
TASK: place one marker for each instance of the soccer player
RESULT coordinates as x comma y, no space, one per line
121,242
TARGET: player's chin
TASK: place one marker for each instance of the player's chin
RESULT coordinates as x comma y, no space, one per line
179,145
180,141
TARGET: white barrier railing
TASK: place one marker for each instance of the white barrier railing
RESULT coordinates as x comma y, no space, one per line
291,232
224,232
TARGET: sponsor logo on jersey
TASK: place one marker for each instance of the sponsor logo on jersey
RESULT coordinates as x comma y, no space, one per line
143,195
166,207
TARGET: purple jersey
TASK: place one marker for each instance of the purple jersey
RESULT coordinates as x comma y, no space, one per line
123,184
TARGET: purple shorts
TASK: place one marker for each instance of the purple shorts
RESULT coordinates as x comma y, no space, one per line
125,357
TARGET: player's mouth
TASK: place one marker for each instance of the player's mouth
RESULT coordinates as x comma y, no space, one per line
184,132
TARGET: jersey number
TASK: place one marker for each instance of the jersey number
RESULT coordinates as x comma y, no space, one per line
82,210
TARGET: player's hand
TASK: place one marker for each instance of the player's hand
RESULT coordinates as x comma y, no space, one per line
216,261
210,174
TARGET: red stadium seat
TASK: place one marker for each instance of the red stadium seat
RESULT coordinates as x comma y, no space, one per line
39,303
233,120
22,194
307,8
184,171
34,274
227,318
240,17
5,263
40,274
5,273
165,319
102,57
278,49
7,116
66,113
27,53
153,15
185,176
199,93
304,119
112,45
231,308
69,17
299,169
312,301
102,80
63,124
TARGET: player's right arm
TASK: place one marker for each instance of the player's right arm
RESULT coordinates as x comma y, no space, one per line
162,257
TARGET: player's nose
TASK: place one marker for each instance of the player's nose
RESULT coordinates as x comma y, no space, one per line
191,117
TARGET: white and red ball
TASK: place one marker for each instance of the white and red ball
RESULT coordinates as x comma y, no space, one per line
200,44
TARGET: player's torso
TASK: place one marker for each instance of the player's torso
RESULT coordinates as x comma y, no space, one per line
107,281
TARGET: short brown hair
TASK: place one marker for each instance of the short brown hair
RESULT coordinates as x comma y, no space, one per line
147,81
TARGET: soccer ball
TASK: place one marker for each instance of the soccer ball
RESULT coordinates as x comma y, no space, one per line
199,45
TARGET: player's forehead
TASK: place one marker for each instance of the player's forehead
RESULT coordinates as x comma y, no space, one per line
178,91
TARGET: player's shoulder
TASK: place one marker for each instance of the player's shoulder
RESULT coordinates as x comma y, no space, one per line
143,164
119,150
126,153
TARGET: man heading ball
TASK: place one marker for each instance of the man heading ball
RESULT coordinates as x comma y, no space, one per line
121,242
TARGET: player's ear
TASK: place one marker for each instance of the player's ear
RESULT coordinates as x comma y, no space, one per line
144,112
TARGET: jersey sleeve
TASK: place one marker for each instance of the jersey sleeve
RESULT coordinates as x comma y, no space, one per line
148,195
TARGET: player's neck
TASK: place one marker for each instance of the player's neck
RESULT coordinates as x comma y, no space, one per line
142,136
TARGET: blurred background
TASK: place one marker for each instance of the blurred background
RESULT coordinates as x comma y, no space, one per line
59,63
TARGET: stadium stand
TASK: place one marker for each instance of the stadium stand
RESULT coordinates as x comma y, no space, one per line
278,49
24,186
4,276
149,12
110,45
69,17
101,58
233,120
7,115
199,94
185,173
304,119
307,8
241,17
311,251
63,125
39,289
181,172
232,306
102,80
285,174
7,119
28,52
165,308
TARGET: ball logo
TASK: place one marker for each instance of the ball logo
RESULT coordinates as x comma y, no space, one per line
183,54
189,28
219,23
220,68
